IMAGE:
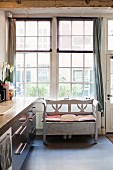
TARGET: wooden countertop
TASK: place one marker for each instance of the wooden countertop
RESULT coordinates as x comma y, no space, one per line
11,110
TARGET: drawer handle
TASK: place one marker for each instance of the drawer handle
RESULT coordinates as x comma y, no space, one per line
33,130
23,129
20,130
20,148
31,118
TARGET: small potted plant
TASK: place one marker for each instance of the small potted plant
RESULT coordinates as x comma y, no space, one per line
7,70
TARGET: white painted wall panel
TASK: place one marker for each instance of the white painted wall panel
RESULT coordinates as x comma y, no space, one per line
2,39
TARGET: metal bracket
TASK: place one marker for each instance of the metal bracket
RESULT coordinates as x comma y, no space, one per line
87,1
111,57
18,1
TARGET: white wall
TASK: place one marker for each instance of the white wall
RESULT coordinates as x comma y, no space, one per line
2,39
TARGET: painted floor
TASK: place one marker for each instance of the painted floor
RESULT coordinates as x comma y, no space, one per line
78,153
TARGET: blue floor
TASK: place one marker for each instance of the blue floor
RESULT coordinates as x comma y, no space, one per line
78,153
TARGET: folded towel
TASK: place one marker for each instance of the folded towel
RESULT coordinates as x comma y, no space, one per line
5,153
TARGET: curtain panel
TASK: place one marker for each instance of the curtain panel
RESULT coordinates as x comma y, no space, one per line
12,45
97,33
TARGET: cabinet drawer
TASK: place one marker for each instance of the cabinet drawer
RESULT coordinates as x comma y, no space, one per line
18,123
32,120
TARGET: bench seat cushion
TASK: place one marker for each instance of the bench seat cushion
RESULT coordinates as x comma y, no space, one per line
86,118
69,118
53,118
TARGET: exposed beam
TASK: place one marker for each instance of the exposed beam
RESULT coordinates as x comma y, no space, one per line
54,3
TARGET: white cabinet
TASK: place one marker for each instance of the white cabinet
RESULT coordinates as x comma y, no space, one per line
6,150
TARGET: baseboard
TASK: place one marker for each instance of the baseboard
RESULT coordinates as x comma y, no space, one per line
101,131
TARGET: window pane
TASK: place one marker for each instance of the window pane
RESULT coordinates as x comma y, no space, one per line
65,28
43,75
44,28
43,43
64,60
65,43
111,74
77,90
30,60
77,28
110,44
111,77
92,90
31,43
43,59
111,66
77,75
19,89
110,27
19,60
44,90
30,75
88,75
64,75
88,27
31,28
20,28
88,90
88,60
31,90
77,60
19,43
88,44
20,75
77,42
64,90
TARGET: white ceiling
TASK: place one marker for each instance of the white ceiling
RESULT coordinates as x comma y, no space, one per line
78,11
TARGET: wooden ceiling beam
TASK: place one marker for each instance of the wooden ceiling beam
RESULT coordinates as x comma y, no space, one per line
54,3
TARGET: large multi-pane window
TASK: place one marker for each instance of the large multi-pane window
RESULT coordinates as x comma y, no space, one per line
75,49
33,50
110,34
41,70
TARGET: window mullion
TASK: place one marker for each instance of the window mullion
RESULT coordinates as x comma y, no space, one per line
54,61
83,71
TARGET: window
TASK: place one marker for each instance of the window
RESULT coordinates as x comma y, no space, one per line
43,71
75,49
33,51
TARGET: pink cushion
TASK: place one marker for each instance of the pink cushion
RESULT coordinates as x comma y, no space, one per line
53,118
86,118
68,118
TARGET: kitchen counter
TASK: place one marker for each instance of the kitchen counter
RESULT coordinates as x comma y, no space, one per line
11,110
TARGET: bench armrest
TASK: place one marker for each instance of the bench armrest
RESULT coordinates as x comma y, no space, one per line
95,108
44,112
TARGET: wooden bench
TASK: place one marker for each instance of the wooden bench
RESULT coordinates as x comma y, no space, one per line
70,117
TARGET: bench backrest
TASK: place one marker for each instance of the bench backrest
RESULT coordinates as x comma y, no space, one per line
74,106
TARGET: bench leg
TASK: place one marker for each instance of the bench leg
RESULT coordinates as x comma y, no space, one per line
44,139
69,136
96,141
64,136
96,138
